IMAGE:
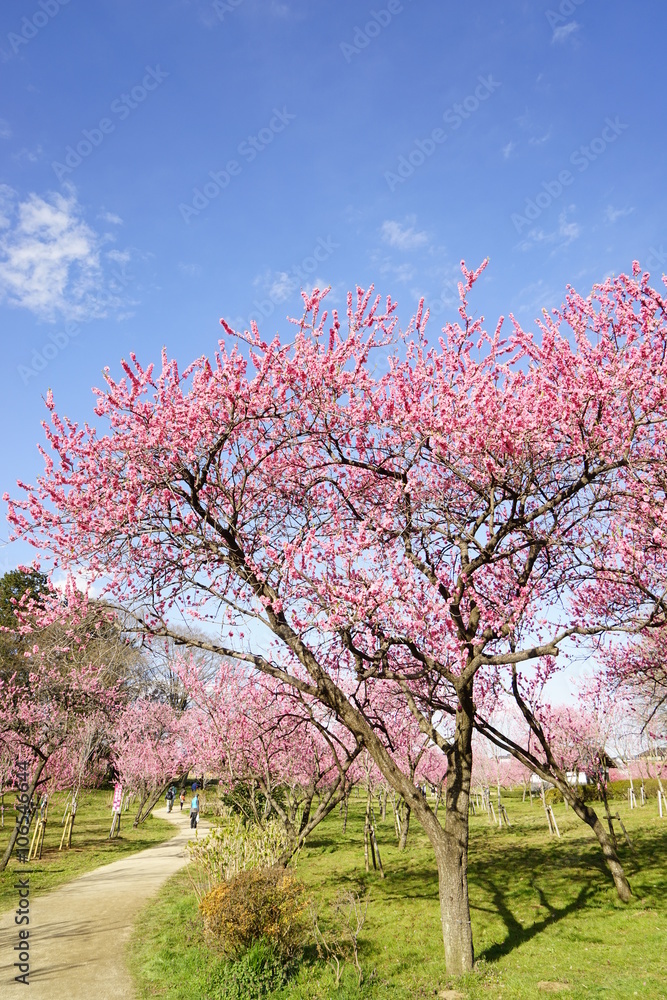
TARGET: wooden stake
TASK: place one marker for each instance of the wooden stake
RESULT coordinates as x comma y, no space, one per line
66,819
618,817
552,821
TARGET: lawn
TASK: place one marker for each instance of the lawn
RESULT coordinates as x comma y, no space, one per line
91,846
545,916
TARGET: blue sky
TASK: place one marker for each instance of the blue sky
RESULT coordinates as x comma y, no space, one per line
167,163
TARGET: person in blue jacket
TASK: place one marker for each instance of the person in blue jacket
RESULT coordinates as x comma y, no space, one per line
194,812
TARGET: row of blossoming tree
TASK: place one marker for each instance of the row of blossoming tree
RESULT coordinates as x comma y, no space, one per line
370,520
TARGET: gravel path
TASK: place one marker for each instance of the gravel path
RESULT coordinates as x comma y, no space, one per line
78,932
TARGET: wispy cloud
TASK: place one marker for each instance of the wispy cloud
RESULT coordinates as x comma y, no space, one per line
26,155
612,214
5,129
539,140
50,258
564,32
192,270
538,132
281,286
111,218
508,150
119,256
567,232
403,237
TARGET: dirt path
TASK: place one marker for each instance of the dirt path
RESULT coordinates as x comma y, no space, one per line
78,932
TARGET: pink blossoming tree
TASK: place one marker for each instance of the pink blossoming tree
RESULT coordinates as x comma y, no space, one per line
456,512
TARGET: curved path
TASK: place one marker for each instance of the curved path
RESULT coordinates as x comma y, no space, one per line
78,932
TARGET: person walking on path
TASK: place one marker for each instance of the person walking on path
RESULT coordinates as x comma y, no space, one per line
182,799
194,812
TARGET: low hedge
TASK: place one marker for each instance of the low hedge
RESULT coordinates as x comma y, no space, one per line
617,791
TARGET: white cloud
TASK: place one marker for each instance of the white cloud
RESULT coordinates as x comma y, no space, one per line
538,135
403,237
278,285
26,155
508,150
50,258
568,231
111,218
403,272
281,286
613,214
5,129
192,270
539,140
119,256
6,204
564,32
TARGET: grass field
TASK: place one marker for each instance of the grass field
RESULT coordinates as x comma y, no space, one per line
545,916
91,846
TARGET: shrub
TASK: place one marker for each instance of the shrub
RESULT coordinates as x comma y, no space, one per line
259,972
233,847
619,789
616,791
260,903
340,943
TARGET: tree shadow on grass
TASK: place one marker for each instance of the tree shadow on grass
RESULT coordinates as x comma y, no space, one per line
517,934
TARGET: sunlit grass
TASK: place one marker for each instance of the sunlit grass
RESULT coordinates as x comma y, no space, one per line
544,912
91,846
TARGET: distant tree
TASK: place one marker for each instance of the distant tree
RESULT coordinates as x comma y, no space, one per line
46,710
16,586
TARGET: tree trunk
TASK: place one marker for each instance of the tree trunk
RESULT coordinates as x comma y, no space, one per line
145,810
450,844
452,850
405,827
590,817
19,816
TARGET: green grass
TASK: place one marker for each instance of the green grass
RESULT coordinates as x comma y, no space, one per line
91,846
543,911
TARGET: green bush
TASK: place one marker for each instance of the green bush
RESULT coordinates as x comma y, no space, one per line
231,847
260,903
258,972
617,791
